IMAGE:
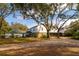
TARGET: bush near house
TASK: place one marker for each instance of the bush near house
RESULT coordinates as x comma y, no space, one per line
69,33
76,35
72,34
44,36
39,35
73,30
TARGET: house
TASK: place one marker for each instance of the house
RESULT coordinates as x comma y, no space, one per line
61,32
40,30
14,33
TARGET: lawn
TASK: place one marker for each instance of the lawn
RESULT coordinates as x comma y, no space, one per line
34,47
42,51
17,40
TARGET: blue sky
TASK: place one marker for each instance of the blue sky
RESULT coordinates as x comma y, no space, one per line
28,22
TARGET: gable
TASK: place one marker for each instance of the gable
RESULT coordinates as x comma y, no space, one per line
39,28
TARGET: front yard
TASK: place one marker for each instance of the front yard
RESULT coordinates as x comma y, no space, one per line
16,40
34,47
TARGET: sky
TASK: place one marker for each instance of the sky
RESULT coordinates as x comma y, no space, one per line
28,22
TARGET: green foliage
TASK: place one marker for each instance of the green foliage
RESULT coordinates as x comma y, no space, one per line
19,27
78,7
3,5
76,35
73,30
69,32
73,27
5,27
5,10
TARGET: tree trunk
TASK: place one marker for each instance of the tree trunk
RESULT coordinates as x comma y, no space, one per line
23,35
12,35
4,34
1,20
58,34
48,34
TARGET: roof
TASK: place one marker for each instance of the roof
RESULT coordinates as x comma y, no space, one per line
34,26
16,31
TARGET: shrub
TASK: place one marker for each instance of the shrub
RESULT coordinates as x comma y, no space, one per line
44,36
69,33
76,35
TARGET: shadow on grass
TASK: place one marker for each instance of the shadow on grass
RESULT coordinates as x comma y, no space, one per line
16,40
42,51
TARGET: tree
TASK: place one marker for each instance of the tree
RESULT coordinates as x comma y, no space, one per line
42,13
64,17
78,7
38,12
19,27
73,30
5,28
5,10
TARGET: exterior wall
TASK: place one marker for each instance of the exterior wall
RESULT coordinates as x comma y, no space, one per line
40,31
18,35
39,34
7,35
39,28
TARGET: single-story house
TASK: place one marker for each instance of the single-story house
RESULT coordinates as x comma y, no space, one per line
40,30
15,33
